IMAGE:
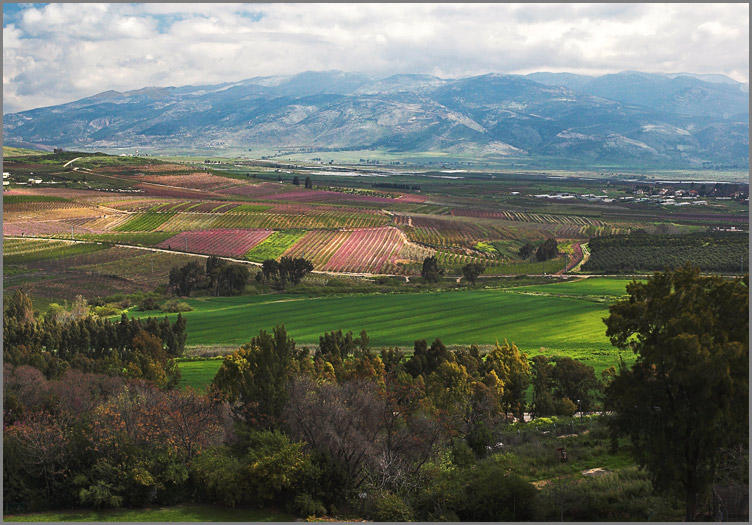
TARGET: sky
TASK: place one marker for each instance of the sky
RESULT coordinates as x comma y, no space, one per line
60,52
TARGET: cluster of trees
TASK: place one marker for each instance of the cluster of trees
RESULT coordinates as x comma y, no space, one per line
717,252
545,251
130,348
218,276
92,440
342,428
288,269
395,185
369,422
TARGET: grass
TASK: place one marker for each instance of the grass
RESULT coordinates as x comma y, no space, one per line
178,513
198,374
275,245
536,323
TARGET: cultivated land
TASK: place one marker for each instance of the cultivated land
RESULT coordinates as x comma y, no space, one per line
135,218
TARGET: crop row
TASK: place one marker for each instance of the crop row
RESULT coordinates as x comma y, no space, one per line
24,251
319,246
367,250
145,222
527,217
228,243
274,245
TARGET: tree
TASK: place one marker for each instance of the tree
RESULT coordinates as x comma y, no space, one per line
526,251
233,279
431,271
184,279
512,368
687,395
542,379
471,271
308,183
19,307
270,269
293,270
575,381
255,377
295,181
214,267
548,250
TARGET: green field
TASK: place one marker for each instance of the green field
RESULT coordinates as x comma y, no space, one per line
198,374
541,322
22,251
178,513
145,221
275,245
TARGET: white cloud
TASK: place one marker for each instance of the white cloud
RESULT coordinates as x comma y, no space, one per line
63,52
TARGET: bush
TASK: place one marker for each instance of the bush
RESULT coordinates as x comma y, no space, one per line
174,306
565,407
391,507
148,303
218,477
305,505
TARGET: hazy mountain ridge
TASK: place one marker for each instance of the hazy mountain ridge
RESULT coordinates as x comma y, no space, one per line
678,118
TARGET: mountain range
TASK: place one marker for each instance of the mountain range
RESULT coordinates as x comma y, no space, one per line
630,117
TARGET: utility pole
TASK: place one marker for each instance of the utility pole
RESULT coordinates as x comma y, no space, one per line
71,232
566,261
186,242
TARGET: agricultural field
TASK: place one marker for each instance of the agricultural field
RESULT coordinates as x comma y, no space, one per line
275,245
546,321
229,243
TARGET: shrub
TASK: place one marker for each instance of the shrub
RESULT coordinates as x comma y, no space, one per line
218,477
305,505
565,407
173,306
148,303
391,507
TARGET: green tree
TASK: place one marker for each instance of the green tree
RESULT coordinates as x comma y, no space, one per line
687,395
575,381
270,269
513,370
295,181
308,183
19,307
214,267
233,279
548,250
293,270
471,271
255,377
431,271
526,250
185,279
542,379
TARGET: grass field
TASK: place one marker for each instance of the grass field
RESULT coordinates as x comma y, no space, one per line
540,322
275,245
198,374
178,513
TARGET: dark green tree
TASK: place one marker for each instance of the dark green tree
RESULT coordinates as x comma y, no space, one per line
255,377
526,251
471,271
542,379
548,250
233,279
308,183
687,395
295,181
185,279
575,381
214,267
293,270
270,269
431,271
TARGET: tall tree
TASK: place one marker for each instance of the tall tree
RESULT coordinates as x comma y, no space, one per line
431,271
471,271
687,395
308,183
295,181
548,250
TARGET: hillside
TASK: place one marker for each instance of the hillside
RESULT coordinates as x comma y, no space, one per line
627,118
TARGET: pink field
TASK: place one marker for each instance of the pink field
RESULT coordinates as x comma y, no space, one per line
226,242
367,250
199,181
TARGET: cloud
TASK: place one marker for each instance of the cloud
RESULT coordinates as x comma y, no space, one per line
56,53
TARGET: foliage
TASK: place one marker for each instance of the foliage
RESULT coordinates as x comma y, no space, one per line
471,271
174,306
548,250
687,396
255,377
430,270
184,279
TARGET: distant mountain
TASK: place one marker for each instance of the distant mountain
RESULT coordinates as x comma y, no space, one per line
630,117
